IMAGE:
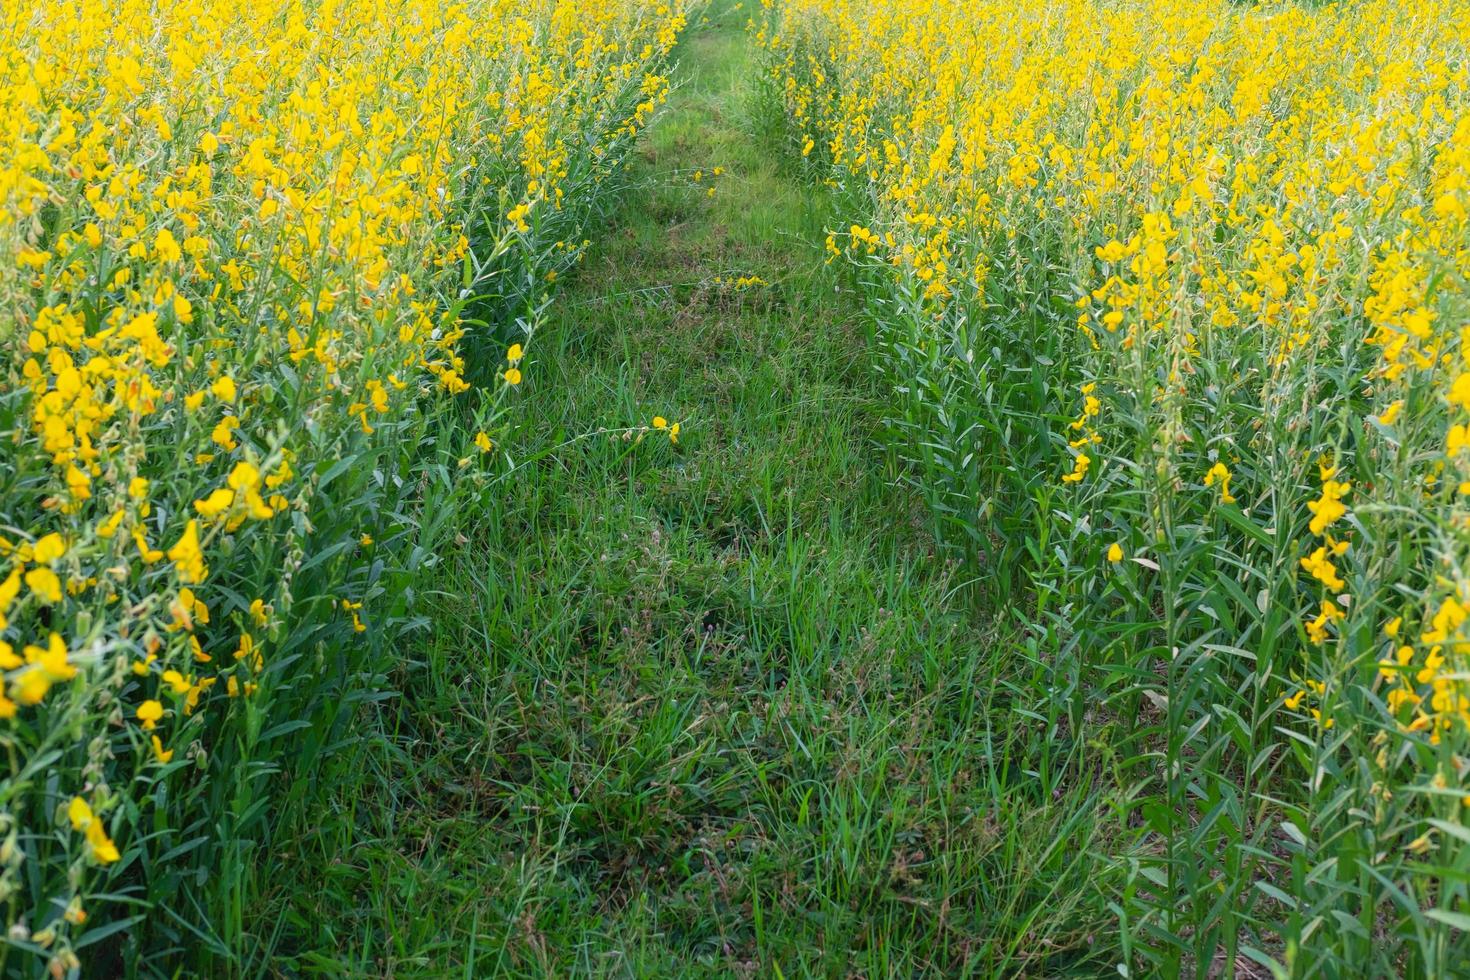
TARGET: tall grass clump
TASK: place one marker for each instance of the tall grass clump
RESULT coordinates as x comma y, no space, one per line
1173,301
252,255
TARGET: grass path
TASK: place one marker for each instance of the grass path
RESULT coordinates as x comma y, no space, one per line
706,709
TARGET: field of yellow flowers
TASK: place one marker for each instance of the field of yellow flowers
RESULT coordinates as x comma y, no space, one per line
1174,303
253,255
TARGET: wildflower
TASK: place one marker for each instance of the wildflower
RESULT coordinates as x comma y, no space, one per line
44,585
1329,614
1079,469
45,666
1115,552
1220,473
224,432
1321,568
1328,508
100,847
1390,414
48,550
162,755
79,812
149,713
148,554
187,557
512,376
177,683
483,443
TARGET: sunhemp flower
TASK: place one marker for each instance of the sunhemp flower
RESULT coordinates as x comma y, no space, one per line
187,557
44,585
100,847
50,549
45,666
1079,468
149,713
1220,474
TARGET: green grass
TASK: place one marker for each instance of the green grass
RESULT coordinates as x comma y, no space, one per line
708,709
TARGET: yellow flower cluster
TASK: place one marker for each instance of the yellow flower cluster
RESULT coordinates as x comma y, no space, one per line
235,238
1259,198
1243,231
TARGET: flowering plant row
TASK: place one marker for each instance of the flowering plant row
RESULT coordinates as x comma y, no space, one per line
252,257
1174,300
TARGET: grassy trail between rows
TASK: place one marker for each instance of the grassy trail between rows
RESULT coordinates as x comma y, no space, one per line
705,709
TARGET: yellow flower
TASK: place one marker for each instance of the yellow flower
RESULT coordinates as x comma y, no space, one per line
100,847
9,589
166,247
177,682
483,443
659,422
44,585
187,557
513,376
159,752
1079,468
1321,568
149,713
1220,473
53,659
515,353
1115,552
224,432
79,812
216,504
48,550
149,555
45,667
